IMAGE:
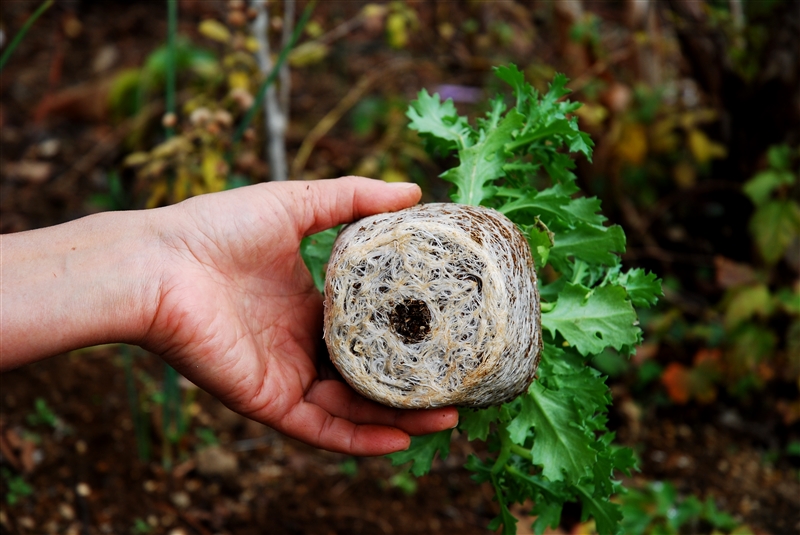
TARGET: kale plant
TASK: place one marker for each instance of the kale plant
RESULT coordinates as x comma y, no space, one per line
551,444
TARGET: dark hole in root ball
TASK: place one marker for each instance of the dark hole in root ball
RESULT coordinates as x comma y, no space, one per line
411,320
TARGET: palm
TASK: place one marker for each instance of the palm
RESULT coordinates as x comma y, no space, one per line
239,316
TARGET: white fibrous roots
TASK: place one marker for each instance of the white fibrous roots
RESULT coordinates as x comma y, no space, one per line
434,305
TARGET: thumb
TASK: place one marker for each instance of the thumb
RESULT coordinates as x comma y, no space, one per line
328,203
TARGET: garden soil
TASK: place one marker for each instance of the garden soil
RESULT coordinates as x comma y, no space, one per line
78,450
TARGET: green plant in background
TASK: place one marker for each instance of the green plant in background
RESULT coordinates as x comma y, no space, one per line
16,487
141,527
775,225
405,482
349,467
658,510
549,445
754,338
214,147
43,414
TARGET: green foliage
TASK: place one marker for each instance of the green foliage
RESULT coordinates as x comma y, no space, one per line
141,527
349,467
422,451
776,221
657,509
43,414
16,487
206,437
405,482
550,445
316,250
753,340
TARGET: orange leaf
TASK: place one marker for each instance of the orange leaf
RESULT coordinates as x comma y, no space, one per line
676,380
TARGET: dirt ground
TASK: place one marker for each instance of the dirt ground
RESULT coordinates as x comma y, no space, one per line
231,475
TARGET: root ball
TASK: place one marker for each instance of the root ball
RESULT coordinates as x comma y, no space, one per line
434,305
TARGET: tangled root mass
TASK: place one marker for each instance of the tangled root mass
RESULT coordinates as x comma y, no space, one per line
434,305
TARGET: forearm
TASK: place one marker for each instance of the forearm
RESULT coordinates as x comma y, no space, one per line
83,283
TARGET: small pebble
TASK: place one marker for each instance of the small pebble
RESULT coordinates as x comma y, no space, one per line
66,511
181,499
83,489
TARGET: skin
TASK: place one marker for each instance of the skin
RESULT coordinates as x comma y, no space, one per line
217,287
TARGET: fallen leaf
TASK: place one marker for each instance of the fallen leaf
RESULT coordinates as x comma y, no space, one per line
675,379
730,273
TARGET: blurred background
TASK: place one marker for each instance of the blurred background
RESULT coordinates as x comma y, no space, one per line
694,107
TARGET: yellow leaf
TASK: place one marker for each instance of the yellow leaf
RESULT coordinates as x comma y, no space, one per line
747,302
592,114
214,170
368,166
314,29
703,149
690,119
396,30
238,80
684,174
183,182
251,44
157,195
446,31
215,30
394,175
171,147
308,54
663,138
136,159
632,143
373,10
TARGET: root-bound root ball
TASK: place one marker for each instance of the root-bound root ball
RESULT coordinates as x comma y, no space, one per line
434,305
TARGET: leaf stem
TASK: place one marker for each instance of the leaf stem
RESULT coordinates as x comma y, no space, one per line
522,452
505,451
546,307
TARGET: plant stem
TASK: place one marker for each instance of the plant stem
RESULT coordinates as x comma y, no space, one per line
248,118
22,31
140,431
522,452
547,307
170,413
172,31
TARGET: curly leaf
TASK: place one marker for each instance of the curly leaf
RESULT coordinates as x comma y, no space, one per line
592,321
482,163
422,451
440,120
643,288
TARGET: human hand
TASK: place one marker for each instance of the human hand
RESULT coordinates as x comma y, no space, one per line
238,314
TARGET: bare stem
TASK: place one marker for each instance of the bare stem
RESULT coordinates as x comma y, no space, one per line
286,39
274,117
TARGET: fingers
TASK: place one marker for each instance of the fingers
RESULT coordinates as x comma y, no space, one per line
340,400
331,202
314,425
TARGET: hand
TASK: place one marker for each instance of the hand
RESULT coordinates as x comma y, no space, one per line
238,314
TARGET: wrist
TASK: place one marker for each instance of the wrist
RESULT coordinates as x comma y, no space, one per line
86,282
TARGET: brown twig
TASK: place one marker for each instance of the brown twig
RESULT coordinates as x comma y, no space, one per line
332,117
